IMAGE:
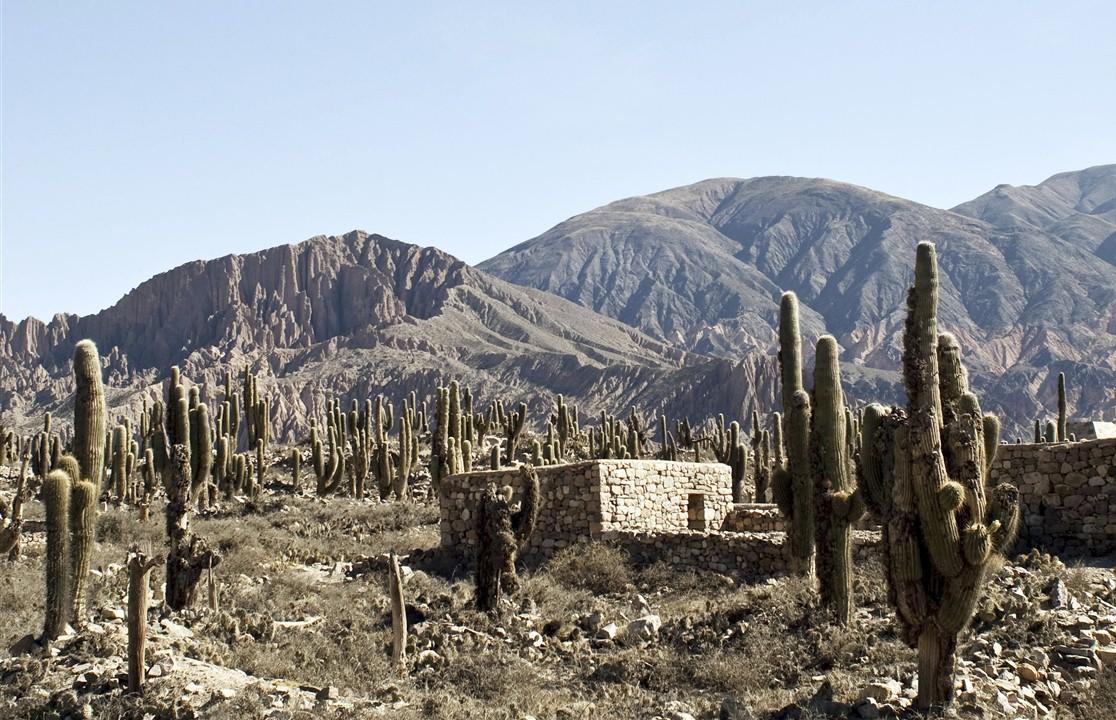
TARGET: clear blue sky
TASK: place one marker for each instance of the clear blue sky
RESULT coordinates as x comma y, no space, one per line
137,136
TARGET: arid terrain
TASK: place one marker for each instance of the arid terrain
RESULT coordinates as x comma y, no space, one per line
302,630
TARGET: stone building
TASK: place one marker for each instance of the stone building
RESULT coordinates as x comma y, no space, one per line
675,512
591,500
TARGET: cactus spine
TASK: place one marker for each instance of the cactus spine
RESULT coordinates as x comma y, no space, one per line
926,473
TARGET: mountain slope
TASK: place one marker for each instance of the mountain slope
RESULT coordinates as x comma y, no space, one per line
354,316
703,266
1079,207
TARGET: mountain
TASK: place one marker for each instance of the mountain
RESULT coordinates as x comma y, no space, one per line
1079,207
702,267
667,301
354,316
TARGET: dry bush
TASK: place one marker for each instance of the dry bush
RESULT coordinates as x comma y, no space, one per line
594,567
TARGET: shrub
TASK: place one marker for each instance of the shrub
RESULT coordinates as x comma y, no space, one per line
595,567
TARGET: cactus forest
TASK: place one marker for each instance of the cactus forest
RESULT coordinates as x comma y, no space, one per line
441,552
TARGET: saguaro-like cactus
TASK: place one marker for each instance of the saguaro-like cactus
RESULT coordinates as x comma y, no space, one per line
501,536
925,472
89,413
1062,407
838,505
56,498
89,449
188,556
793,485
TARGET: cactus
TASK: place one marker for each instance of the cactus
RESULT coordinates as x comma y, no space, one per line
1062,407
10,534
188,556
83,528
296,469
261,469
86,470
119,461
89,412
1051,432
329,463
925,474
56,499
793,485
512,431
777,451
401,483
201,454
501,536
837,504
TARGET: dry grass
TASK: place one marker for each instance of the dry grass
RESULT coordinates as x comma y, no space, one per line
595,567
766,644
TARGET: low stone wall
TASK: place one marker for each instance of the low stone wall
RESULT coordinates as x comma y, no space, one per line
754,517
746,556
1068,494
580,501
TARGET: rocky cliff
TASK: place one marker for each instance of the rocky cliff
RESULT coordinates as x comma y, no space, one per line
357,315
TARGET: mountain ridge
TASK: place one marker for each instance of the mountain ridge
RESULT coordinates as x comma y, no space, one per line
353,316
659,301
713,257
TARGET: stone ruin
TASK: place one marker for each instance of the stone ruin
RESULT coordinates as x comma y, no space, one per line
1068,494
678,512
682,513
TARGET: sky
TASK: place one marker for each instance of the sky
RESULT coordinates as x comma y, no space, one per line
136,136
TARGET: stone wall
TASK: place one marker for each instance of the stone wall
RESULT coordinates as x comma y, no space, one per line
1068,494
747,556
656,495
754,517
580,501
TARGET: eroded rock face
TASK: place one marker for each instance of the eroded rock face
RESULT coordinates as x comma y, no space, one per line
1028,279
358,315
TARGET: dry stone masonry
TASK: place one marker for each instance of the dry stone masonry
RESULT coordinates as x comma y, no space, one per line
587,500
1068,494
675,512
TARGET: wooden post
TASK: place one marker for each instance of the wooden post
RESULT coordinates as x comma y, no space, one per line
139,570
398,612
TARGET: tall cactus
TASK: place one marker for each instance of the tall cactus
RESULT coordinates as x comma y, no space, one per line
89,435
501,536
89,412
838,505
925,474
793,485
59,572
1062,407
